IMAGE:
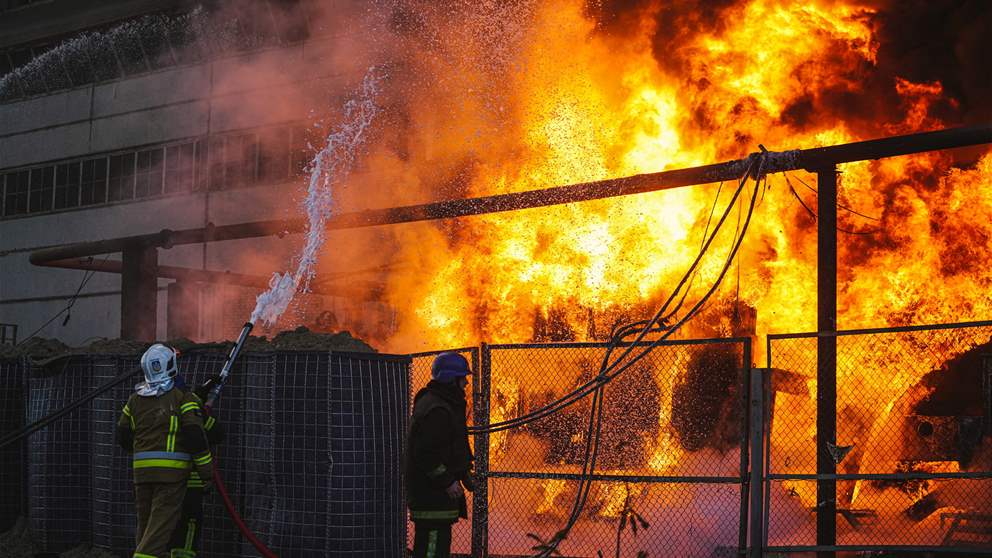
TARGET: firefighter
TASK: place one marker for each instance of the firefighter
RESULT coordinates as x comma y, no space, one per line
162,425
186,537
439,462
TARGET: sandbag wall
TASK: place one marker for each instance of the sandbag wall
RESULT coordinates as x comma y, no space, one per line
312,455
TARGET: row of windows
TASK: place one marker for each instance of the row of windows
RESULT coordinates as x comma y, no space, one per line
268,156
144,44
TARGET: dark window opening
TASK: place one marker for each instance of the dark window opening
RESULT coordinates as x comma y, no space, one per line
179,168
273,156
94,184
67,186
120,185
148,178
42,189
16,195
216,180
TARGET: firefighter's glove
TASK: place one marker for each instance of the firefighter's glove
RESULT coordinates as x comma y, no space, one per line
469,481
455,491
203,390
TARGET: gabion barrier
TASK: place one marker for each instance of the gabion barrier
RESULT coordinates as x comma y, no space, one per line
11,457
913,449
312,457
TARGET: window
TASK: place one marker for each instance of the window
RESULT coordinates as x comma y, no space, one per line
94,185
273,156
216,157
16,195
179,168
148,177
67,185
267,156
120,185
42,189
201,181
240,160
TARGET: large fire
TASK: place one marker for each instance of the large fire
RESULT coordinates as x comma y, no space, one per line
527,96
570,100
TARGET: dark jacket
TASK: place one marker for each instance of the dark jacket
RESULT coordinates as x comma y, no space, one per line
165,435
438,452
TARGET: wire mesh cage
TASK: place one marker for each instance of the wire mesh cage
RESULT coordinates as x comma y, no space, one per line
312,454
12,400
913,455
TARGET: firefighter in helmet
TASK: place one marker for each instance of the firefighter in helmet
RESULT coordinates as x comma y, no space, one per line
162,425
439,462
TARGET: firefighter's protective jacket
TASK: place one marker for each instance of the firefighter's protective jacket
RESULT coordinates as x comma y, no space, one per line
166,435
439,452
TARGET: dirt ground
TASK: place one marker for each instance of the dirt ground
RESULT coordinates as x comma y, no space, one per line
300,339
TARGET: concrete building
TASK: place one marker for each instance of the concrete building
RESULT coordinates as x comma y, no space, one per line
148,122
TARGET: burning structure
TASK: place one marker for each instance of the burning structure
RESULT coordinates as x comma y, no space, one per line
486,100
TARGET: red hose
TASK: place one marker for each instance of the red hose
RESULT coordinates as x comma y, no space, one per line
222,490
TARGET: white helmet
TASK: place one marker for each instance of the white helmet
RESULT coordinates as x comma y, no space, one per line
159,365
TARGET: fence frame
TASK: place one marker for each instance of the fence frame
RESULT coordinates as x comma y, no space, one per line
832,478
744,479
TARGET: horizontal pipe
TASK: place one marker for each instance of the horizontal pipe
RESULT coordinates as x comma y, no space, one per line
808,159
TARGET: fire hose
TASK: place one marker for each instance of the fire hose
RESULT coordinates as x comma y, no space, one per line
218,480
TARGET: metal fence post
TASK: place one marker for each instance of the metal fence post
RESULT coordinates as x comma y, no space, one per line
756,415
480,498
745,440
826,359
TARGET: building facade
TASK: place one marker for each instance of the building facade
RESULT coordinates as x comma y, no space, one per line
128,117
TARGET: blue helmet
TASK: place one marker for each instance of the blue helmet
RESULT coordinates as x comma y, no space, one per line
448,366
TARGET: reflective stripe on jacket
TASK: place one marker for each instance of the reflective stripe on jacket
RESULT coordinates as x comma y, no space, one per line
165,433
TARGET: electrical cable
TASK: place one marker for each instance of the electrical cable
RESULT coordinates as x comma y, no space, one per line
592,440
814,215
87,275
840,205
587,388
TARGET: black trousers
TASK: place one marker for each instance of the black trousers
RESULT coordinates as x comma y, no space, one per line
431,539
186,537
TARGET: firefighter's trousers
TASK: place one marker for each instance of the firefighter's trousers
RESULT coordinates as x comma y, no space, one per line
186,537
432,539
159,505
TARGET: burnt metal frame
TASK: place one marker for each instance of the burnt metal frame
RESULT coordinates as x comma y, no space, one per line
828,476
747,479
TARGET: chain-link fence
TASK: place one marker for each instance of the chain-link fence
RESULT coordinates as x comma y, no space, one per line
671,473
312,455
911,466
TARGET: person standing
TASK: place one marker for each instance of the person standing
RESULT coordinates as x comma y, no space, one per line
162,425
439,459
